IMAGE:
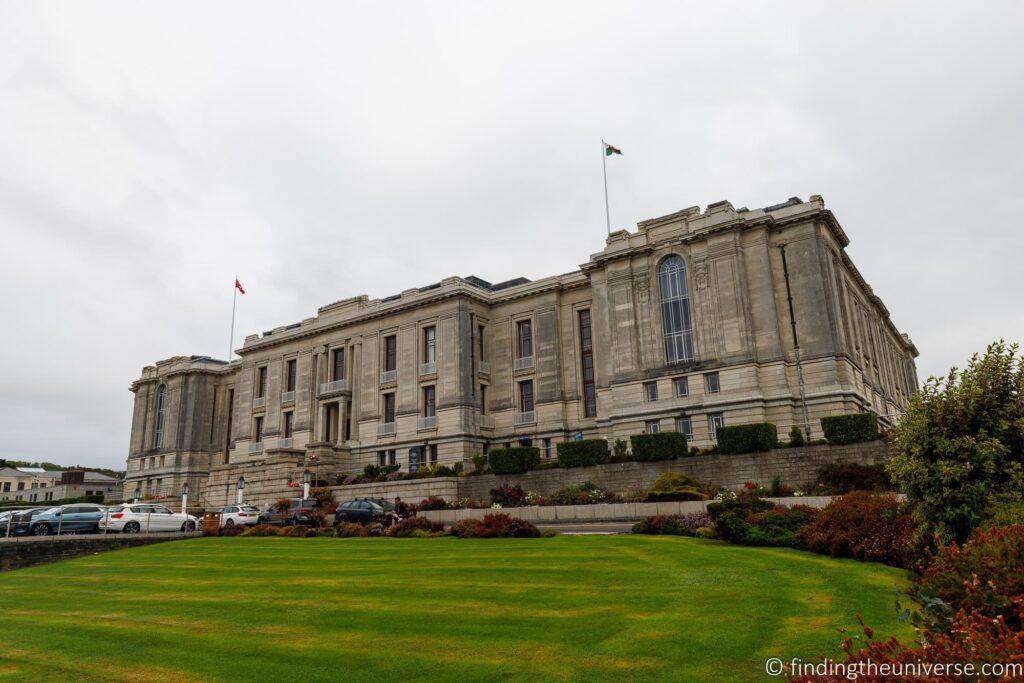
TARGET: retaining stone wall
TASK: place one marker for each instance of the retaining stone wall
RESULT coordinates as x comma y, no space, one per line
16,554
797,467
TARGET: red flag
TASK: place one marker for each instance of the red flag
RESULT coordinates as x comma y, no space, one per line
238,286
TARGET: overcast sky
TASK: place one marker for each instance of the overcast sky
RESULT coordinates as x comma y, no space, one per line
150,151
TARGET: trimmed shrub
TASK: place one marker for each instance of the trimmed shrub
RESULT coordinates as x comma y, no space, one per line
838,478
494,525
750,520
350,530
582,453
865,526
514,460
408,526
840,429
674,525
258,530
673,486
660,446
464,528
796,437
582,494
751,438
433,503
508,495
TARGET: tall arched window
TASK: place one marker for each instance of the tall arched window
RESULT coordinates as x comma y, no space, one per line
158,430
675,311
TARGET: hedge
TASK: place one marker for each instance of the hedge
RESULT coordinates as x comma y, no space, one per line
659,446
582,453
750,438
840,429
514,460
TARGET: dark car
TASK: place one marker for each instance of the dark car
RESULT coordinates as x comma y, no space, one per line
20,522
364,511
296,515
68,519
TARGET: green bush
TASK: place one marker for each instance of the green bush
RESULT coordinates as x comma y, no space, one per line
514,460
582,453
752,438
750,520
796,437
673,486
660,446
959,448
840,429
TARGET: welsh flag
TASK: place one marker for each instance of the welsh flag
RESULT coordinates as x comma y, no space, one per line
610,150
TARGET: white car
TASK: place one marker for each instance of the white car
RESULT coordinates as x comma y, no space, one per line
241,515
137,518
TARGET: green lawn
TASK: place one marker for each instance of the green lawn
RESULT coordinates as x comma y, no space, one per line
565,608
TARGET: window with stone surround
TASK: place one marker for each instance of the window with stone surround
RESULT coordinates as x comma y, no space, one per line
524,339
715,420
290,374
711,383
430,344
682,386
390,353
650,391
261,381
337,364
158,428
258,429
389,407
429,401
685,426
676,321
652,426
526,396
286,424
587,365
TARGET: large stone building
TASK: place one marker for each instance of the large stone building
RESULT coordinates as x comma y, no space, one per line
688,323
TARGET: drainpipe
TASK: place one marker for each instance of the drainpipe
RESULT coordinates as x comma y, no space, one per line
796,345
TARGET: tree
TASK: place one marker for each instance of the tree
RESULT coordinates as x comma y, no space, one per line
959,449
284,506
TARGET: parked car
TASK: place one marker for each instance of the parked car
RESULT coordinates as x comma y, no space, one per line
19,522
146,517
242,515
297,514
364,511
68,519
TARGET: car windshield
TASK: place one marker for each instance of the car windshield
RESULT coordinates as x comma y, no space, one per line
116,508
249,508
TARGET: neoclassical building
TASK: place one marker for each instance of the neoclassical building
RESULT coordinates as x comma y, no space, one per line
696,320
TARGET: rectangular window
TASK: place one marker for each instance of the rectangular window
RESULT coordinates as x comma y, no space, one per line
715,420
483,399
685,426
261,381
337,364
390,353
480,342
682,386
348,421
547,448
258,429
430,345
433,454
227,429
382,458
389,408
290,374
392,457
524,339
286,428
526,396
587,366
429,403
652,426
711,383
331,422
650,391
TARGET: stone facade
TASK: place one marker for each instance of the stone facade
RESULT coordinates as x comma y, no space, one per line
450,370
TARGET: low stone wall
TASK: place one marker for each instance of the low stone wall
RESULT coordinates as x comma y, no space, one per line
19,553
797,467
603,511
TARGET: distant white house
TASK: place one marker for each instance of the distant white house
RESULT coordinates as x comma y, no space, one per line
36,485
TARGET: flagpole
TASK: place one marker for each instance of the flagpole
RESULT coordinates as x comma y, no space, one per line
604,167
234,300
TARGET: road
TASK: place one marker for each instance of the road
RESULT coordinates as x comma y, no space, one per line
588,527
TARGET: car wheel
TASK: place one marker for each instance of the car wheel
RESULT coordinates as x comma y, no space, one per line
191,525
131,528
41,530
230,522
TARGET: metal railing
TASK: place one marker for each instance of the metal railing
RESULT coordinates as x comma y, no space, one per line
287,397
35,527
529,417
388,376
522,363
428,368
284,442
486,422
259,402
427,422
256,447
331,387
386,429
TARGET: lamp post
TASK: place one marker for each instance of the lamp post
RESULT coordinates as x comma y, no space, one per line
306,477
241,487
184,499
